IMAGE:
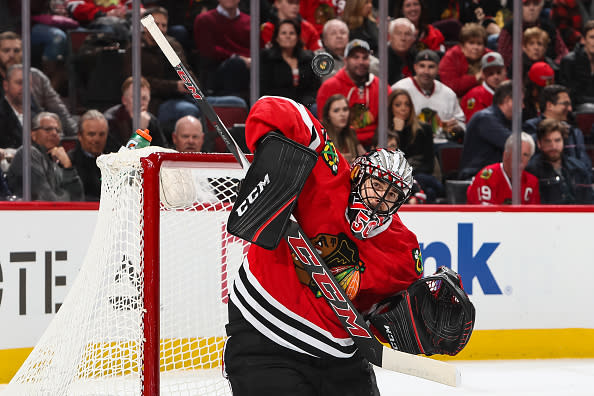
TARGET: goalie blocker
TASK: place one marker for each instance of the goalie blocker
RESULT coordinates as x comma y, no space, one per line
433,316
269,192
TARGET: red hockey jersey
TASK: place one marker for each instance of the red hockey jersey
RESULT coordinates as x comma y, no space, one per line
274,293
491,186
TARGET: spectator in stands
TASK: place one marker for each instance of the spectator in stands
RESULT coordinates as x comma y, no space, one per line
415,139
92,137
289,9
534,46
539,76
555,104
53,178
492,185
335,118
483,12
170,99
460,68
481,97
562,179
362,25
361,89
107,16
401,49
222,37
532,16
119,118
577,70
335,37
43,94
285,67
11,108
50,21
487,132
568,18
188,135
435,103
427,36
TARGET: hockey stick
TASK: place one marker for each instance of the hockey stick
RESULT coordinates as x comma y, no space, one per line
353,322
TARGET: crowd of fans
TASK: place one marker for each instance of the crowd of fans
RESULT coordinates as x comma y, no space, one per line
449,85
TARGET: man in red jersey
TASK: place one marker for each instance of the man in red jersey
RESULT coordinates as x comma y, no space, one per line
283,336
492,185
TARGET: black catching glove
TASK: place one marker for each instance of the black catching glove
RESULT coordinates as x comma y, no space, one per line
433,316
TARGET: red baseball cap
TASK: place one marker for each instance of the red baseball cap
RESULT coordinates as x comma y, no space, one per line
541,74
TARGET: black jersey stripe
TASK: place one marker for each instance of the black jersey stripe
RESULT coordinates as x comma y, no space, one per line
258,304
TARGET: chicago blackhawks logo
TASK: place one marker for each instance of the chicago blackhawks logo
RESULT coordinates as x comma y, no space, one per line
416,255
342,257
330,156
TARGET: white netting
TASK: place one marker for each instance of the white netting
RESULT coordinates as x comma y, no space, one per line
94,344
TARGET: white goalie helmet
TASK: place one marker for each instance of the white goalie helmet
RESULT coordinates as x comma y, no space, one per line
381,181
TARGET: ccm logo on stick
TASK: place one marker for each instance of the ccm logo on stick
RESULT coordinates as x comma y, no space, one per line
327,286
182,74
242,208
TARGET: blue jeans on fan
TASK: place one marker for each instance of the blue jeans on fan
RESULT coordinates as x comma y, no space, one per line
51,39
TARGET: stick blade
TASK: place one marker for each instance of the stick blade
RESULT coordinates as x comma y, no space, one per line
422,367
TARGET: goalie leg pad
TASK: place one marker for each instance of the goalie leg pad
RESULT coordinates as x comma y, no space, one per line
434,315
269,192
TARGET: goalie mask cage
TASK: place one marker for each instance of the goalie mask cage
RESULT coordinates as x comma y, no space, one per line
146,313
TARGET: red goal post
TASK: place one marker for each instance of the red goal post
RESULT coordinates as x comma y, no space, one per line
146,314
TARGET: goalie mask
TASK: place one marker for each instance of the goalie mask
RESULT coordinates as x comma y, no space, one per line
381,181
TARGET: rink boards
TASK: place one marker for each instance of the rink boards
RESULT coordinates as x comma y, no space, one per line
527,272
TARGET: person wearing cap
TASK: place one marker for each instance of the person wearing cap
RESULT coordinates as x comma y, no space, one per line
555,104
460,67
401,49
434,102
487,132
539,76
481,97
335,37
576,70
360,87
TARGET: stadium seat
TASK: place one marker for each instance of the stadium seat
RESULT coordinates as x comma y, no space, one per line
585,121
449,160
230,116
456,191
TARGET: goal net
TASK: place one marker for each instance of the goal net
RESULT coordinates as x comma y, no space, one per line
146,313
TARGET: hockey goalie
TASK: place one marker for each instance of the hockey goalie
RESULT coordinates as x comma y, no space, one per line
283,338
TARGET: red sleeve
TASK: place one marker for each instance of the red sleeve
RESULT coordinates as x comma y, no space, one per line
452,72
266,32
310,36
472,193
535,196
504,46
85,11
290,118
433,39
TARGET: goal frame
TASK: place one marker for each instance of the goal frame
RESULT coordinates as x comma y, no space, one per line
151,166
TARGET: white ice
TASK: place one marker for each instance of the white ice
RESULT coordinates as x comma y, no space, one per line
503,377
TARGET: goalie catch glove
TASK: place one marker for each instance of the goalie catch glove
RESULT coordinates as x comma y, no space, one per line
433,316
